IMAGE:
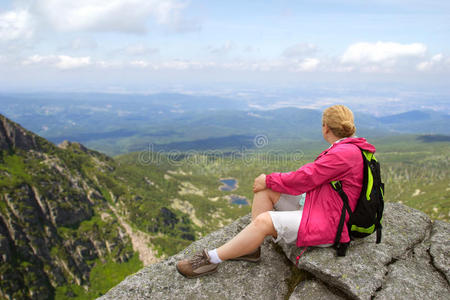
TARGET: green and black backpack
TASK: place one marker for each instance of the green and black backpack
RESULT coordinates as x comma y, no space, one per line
368,213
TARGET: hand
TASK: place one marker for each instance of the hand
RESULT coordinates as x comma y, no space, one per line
260,183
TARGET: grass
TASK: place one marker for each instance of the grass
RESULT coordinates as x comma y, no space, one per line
16,171
103,276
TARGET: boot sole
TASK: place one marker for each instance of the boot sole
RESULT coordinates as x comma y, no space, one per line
199,275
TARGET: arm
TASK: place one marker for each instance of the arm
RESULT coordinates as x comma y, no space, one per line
325,169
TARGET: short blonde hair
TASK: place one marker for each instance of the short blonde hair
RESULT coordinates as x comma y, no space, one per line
339,119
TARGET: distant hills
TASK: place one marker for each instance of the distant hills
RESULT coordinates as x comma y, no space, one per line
116,124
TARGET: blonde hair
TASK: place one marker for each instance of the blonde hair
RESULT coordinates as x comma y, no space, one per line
339,119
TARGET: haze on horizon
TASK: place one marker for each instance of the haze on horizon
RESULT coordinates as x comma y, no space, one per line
346,50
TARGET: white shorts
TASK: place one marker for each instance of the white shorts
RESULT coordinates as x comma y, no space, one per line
287,217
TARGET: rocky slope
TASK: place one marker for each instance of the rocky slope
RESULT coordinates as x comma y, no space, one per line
54,218
412,262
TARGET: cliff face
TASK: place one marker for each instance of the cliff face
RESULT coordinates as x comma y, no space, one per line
14,136
54,219
412,262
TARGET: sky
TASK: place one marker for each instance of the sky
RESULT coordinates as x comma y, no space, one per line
172,45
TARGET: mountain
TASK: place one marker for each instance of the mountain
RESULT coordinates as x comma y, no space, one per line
74,222
417,121
55,222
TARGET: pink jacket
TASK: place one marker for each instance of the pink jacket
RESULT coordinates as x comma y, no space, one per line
322,209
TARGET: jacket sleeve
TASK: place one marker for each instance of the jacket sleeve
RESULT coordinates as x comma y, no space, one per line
326,168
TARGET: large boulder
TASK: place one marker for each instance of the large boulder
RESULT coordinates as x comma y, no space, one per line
411,262
267,279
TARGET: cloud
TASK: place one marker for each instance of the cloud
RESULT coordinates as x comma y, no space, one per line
82,43
226,48
110,15
139,63
140,49
15,25
308,65
381,52
435,61
300,50
62,62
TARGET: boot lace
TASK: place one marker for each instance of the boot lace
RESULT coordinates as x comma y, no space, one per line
198,260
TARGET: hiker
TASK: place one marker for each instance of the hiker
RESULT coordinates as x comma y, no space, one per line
276,208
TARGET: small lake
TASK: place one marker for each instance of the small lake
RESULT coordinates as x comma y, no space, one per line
240,200
229,184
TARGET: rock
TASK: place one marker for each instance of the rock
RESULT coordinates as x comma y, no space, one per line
313,289
234,280
13,135
70,211
414,278
410,263
440,247
77,147
361,272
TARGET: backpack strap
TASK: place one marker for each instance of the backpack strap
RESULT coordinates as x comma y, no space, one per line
379,214
341,248
375,168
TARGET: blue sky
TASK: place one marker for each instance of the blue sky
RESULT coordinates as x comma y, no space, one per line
150,45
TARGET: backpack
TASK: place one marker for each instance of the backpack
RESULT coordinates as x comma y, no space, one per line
368,213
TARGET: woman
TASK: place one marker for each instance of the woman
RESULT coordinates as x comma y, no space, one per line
315,223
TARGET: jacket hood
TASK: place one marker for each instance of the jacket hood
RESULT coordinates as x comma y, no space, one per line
358,141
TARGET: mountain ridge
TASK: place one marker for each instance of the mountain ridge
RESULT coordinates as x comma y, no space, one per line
54,221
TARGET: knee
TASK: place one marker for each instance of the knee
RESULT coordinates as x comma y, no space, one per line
269,194
264,223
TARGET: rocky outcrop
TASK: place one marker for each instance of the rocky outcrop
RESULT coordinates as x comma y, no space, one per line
412,262
14,136
265,280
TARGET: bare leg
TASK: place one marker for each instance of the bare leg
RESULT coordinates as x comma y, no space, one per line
249,239
264,201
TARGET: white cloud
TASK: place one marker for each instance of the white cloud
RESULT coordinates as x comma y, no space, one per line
382,52
140,49
68,62
308,65
109,15
300,50
139,63
433,62
15,25
62,62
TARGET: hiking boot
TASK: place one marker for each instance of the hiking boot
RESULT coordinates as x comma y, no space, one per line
255,256
196,266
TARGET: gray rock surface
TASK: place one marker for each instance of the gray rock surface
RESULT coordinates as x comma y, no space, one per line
267,279
362,271
440,247
12,136
414,278
412,262
314,289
